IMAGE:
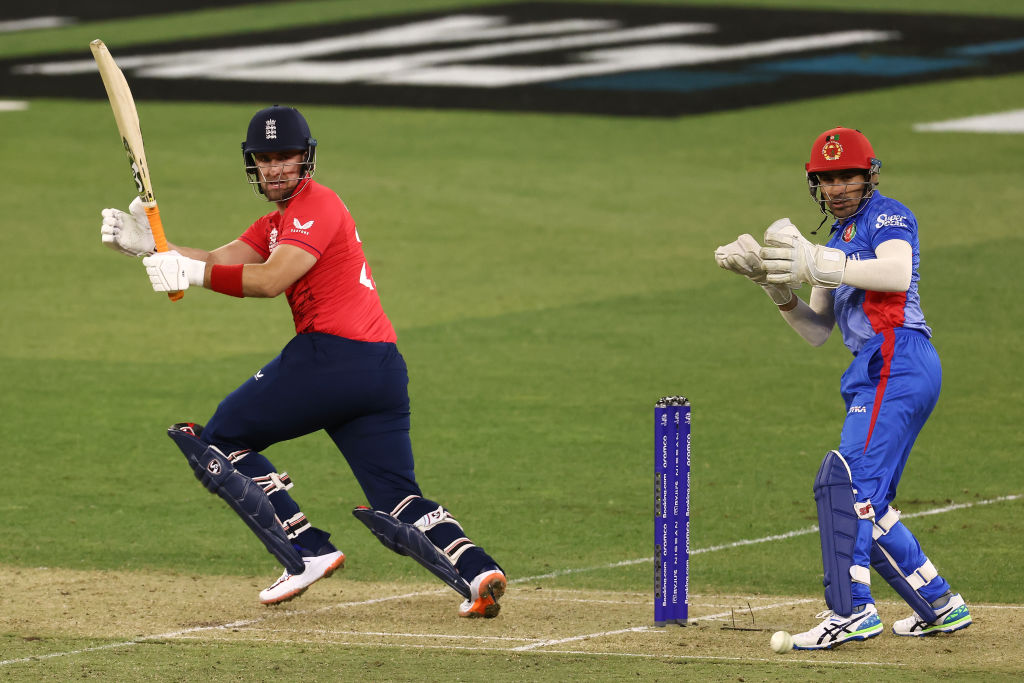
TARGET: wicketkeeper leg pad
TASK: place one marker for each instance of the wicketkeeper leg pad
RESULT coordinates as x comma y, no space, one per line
897,557
837,523
410,540
247,498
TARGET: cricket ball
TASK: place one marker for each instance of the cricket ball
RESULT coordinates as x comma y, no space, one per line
782,642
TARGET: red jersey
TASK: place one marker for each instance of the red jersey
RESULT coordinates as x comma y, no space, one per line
337,295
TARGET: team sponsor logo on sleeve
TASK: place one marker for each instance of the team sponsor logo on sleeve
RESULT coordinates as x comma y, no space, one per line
889,221
302,227
850,232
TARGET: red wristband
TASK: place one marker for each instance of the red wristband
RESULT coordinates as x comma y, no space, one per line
227,279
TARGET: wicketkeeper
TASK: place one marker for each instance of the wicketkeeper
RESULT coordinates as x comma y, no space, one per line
342,373
864,281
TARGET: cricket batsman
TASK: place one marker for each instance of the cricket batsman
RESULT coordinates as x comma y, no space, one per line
342,373
865,281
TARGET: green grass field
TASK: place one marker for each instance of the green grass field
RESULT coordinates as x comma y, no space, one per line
549,278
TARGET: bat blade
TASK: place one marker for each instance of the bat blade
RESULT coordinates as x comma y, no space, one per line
127,117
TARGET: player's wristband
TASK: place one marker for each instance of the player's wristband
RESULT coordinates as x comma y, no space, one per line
227,279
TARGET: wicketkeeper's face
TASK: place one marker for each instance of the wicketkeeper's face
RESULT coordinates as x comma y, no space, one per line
279,172
843,190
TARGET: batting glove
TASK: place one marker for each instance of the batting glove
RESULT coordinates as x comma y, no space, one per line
128,233
790,259
169,271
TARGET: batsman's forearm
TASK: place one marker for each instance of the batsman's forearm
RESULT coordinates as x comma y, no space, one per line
190,252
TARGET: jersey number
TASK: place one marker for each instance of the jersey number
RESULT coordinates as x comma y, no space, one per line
364,279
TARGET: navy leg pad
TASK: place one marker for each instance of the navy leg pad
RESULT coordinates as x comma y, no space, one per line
837,524
407,539
245,497
882,564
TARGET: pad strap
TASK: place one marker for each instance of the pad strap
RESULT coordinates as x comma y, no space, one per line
274,482
296,524
922,575
884,524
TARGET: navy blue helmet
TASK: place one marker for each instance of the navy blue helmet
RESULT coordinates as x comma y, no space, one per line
277,129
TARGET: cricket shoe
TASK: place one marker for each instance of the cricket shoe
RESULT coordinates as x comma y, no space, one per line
952,616
293,585
485,591
835,630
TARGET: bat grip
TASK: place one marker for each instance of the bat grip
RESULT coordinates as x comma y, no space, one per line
159,238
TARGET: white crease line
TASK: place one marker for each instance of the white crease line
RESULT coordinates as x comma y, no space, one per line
392,634
183,633
755,541
176,634
528,598
573,639
722,615
774,660
416,646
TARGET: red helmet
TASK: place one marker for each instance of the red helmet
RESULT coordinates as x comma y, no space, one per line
841,148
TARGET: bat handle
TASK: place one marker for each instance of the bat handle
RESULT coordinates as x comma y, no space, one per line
159,238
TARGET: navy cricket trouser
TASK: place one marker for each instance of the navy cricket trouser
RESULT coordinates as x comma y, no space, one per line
356,391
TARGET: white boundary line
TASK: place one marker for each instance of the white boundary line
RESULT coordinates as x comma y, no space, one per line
185,633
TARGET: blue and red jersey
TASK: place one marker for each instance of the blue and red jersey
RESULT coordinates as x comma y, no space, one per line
861,314
337,295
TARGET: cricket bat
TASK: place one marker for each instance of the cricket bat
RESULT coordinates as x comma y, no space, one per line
127,117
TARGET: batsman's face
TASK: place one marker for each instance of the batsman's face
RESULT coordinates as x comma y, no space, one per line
843,190
279,172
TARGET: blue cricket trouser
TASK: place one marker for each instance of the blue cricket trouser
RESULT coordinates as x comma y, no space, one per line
355,391
890,389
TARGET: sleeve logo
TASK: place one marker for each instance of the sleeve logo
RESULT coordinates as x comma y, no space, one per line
302,227
885,220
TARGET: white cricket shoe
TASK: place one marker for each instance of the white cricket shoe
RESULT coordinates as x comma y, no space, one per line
485,591
835,630
952,616
293,585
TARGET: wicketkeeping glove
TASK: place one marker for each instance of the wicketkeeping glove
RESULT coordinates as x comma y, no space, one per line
743,256
790,259
128,233
169,271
